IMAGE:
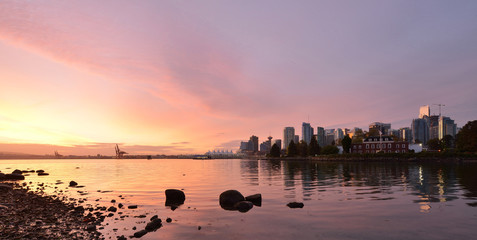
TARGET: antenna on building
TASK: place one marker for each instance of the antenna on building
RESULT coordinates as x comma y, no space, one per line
440,105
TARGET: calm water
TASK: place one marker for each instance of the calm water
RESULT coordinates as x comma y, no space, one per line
342,200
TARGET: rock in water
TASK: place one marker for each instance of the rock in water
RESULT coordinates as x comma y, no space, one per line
243,206
2,176
229,198
295,205
256,199
73,184
140,233
154,225
43,174
174,197
17,171
132,207
14,176
112,209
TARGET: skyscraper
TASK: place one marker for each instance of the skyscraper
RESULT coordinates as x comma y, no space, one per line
338,135
382,127
320,136
306,132
420,131
446,127
433,123
288,136
253,143
424,111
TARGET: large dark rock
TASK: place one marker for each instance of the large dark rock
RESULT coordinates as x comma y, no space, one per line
2,176
229,198
295,205
14,176
17,171
73,184
132,206
174,197
112,209
256,199
243,206
154,225
140,233
40,171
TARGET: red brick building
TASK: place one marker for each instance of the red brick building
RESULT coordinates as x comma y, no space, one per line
377,144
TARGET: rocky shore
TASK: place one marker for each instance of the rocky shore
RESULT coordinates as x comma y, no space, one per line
27,215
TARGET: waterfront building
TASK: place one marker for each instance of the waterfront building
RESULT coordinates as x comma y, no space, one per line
424,111
288,136
253,143
446,127
320,136
420,131
384,144
306,132
382,127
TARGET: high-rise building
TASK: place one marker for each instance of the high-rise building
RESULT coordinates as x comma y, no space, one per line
446,127
266,146
382,127
320,136
296,139
405,134
433,123
339,135
420,131
306,132
253,143
288,136
424,111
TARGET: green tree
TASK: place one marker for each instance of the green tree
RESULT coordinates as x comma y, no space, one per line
275,151
434,144
330,149
303,149
373,132
292,149
466,139
346,143
314,147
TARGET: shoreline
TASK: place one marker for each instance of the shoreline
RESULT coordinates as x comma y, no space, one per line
28,214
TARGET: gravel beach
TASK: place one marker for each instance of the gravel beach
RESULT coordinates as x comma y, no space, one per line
26,214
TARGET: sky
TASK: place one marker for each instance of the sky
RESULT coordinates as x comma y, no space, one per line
173,77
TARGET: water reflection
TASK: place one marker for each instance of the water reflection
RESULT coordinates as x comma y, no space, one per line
429,183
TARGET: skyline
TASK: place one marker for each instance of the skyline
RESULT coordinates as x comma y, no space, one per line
172,77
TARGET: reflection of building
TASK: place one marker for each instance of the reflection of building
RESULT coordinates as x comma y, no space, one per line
320,136
288,136
380,144
420,131
306,132
446,127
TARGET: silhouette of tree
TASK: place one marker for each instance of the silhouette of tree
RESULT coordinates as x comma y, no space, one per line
466,139
346,143
434,144
303,148
275,151
314,147
292,149
447,142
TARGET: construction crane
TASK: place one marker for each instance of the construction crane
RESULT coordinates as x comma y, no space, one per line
57,155
119,153
440,105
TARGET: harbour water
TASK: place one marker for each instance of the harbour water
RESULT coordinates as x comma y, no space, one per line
342,200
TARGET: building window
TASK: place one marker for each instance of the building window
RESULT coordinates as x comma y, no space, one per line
367,147
403,145
372,146
389,145
397,145
384,145
359,146
397,151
